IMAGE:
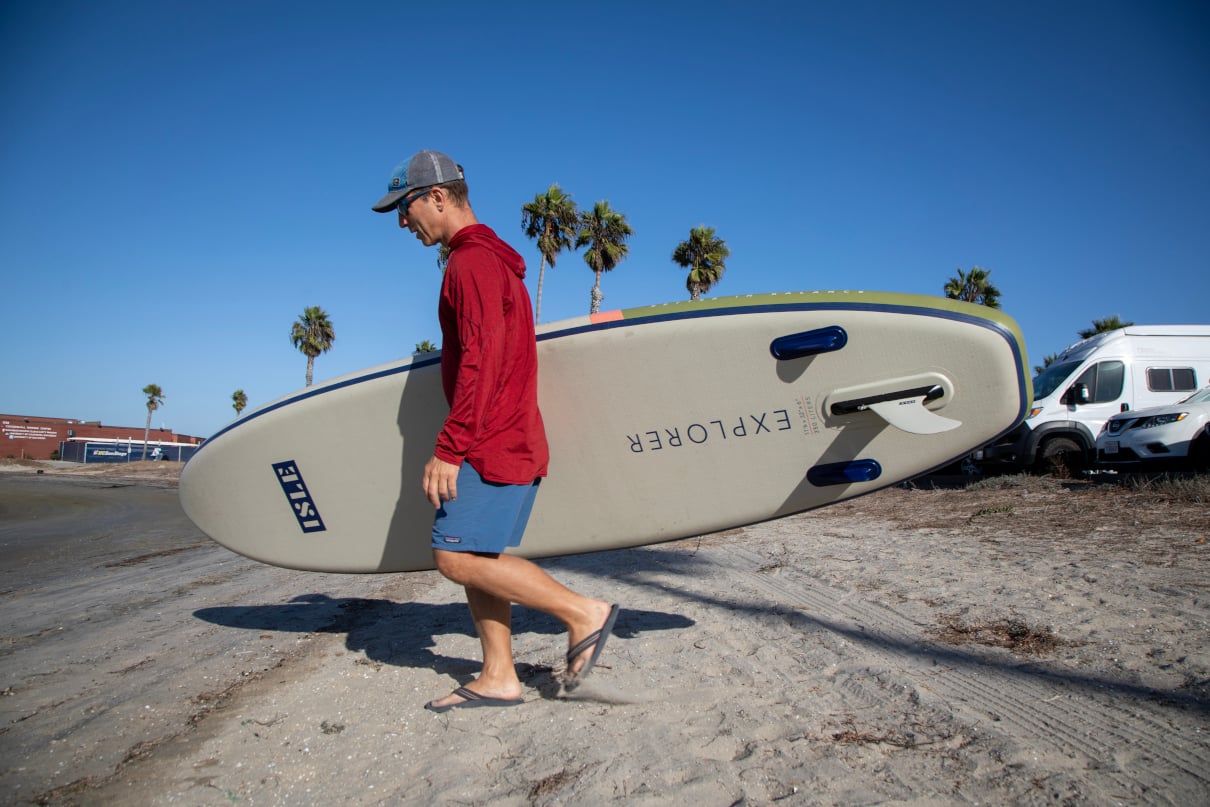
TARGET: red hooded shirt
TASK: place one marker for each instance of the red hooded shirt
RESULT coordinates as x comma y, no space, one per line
489,362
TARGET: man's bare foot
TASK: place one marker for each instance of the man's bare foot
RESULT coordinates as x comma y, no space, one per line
583,654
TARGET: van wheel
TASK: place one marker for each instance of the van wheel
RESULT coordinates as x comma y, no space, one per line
1199,452
1060,456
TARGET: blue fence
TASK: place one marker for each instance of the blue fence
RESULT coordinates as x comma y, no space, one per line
123,452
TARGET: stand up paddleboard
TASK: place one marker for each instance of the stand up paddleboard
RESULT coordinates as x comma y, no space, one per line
664,422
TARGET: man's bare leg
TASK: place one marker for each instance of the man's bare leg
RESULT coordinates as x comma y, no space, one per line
498,678
509,579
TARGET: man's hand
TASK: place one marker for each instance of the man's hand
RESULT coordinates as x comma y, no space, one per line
440,482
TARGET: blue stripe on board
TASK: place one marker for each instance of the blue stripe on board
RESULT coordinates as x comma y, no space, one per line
302,396
669,317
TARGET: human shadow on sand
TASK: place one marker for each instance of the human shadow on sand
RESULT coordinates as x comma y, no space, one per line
402,633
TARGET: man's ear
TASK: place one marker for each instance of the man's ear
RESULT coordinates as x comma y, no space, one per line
438,196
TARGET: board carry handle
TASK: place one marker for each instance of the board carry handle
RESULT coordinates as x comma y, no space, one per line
930,393
809,343
844,473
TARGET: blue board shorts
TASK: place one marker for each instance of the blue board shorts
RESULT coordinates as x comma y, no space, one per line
486,517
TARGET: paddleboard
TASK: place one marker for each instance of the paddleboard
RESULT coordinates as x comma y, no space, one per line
664,422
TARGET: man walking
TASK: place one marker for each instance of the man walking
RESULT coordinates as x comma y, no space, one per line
491,453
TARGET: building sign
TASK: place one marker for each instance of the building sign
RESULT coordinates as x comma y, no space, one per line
119,452
26,431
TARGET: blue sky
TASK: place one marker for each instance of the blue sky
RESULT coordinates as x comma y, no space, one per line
181,180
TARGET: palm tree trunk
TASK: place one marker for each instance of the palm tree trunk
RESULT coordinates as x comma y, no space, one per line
310,368
146,434
538,302
597,296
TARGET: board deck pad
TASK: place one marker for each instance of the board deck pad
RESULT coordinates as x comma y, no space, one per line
664,422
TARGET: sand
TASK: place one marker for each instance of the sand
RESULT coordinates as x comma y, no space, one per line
1024,641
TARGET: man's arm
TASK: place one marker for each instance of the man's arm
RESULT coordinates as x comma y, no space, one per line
477,297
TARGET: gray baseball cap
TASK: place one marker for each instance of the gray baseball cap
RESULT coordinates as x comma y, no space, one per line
422,170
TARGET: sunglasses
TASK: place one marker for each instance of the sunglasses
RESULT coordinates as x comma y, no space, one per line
402,204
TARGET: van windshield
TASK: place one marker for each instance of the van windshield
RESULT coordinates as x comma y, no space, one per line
1052,378
1201,396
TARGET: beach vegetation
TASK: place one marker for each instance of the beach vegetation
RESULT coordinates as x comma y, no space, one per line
553,220
239,400
1144,488
990,511
312,333
603,231
1020,482
1011,633
705,256
1181,488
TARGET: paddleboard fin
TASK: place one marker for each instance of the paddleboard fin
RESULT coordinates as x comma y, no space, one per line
903,409
809,343
844,473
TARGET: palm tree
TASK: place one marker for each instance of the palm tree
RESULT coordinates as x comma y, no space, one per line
425,347
974,287
312,334
238,401
1046,362
604,232
705,257
155,397
443,258
553,220
1104,326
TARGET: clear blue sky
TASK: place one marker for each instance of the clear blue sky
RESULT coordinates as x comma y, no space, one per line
180,180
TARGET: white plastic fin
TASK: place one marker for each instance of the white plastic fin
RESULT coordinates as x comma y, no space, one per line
910,415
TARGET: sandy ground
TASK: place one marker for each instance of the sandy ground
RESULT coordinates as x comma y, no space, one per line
1028,641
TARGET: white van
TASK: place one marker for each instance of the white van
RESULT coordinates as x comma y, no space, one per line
1130,368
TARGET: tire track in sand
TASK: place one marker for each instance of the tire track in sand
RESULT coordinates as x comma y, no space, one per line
1110,724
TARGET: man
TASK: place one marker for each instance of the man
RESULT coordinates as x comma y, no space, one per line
491,453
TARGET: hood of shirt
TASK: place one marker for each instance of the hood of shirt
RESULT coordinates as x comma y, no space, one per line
480,235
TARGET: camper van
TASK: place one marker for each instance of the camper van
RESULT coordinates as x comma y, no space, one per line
1131,368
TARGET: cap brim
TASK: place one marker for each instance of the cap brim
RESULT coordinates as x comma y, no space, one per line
387,203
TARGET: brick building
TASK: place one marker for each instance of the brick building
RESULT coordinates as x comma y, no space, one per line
37,438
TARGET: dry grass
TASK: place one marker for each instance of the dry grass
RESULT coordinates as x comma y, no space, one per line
160,474
1012,634
1113,508
13,462
1170,488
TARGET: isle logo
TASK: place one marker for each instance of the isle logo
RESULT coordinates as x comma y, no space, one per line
298,496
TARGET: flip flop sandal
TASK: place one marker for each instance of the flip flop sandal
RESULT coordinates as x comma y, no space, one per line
472,700
595,640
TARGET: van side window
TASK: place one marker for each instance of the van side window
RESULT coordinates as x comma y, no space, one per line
1111,376
1171,379
1104,381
